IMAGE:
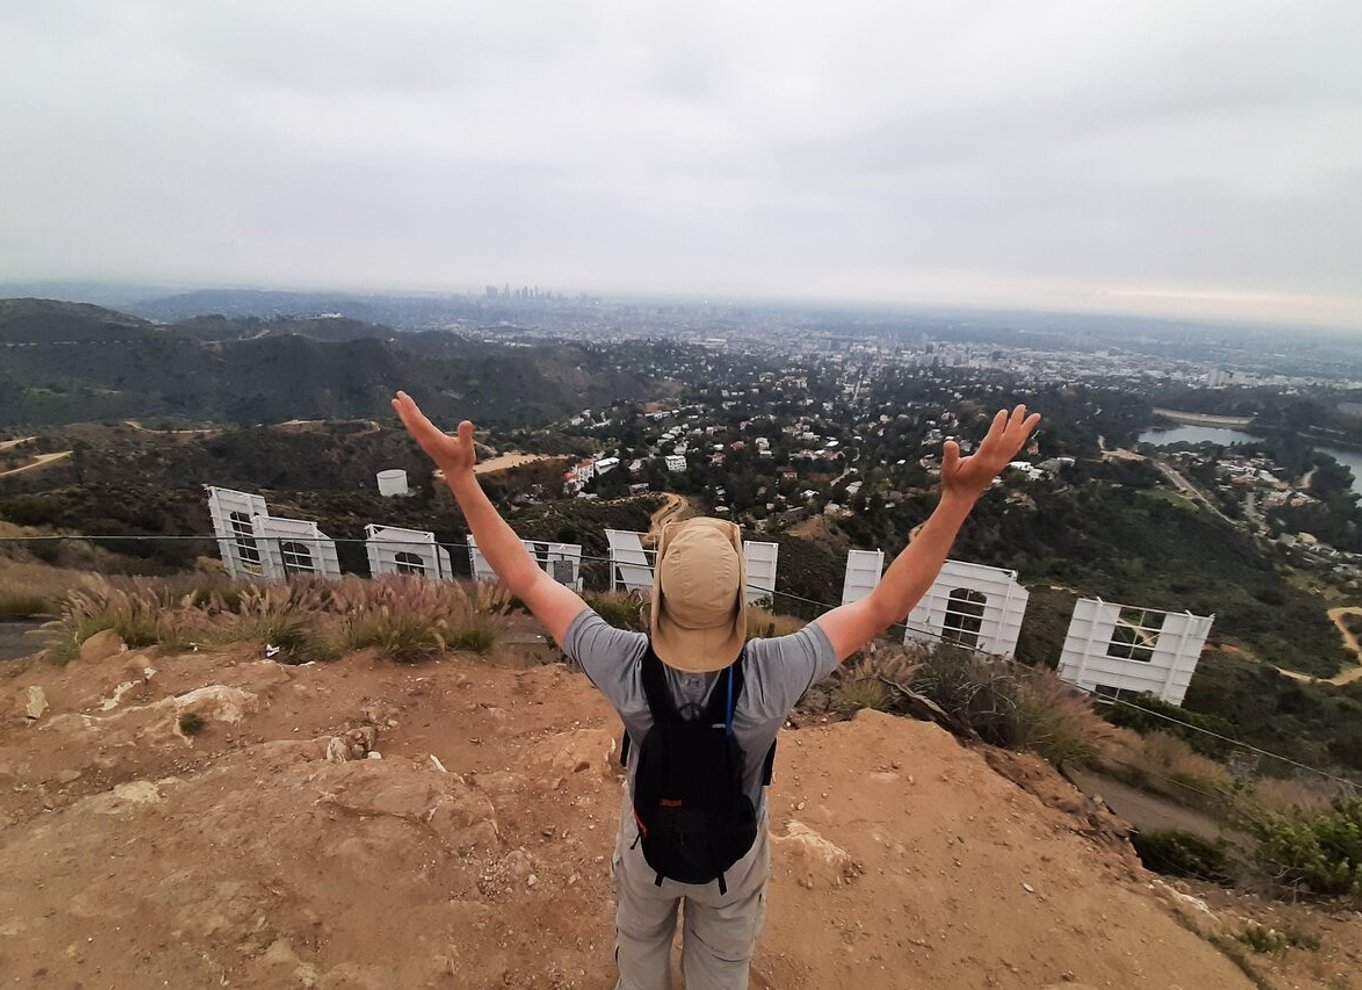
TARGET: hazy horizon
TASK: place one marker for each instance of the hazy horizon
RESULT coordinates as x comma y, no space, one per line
130,295
1155,160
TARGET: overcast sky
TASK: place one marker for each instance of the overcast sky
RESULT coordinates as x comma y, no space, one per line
1195,157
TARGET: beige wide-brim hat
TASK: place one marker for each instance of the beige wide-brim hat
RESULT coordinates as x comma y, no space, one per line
698,617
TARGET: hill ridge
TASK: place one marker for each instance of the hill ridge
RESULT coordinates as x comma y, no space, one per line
74,362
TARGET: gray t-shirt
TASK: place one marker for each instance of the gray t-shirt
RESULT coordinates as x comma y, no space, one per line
775,673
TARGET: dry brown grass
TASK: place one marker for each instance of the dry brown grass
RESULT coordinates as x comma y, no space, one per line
1290,796
1006,704
410,619
71,553
304,618
1184,765
765,624
892,665
28,588
1167,765
142,611
1059,722
867,682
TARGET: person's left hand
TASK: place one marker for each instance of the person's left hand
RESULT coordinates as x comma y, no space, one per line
969,476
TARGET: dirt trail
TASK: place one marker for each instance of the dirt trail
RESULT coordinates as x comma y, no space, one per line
242,856
372,426
8,444
1145,810
39,460
1350,642
503,462
674,508
170,433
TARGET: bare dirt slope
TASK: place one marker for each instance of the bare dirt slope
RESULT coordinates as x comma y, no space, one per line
267,851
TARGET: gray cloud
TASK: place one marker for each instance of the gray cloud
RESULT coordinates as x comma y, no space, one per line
1201,157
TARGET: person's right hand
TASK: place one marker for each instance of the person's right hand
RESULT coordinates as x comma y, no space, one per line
969,476
454,455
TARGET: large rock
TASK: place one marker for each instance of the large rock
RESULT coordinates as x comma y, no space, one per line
280,753
443,802
813,859
356,744
575,751
137,674
101,646
35,702
216,703
123,798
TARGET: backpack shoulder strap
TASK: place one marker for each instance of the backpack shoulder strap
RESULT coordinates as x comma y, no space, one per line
655,688
769,767
717,709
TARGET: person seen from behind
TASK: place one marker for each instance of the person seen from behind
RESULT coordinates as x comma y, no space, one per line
701,704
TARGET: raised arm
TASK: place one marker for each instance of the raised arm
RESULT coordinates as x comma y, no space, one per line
553,604
963,480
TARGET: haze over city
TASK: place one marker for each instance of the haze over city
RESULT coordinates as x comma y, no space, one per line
1148,158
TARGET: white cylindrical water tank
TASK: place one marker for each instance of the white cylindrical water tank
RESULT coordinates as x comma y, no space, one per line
392,482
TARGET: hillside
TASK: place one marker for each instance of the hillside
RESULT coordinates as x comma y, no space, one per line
28,321
241,854
66,363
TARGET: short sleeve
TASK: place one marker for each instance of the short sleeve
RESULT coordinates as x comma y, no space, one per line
607,654
781,669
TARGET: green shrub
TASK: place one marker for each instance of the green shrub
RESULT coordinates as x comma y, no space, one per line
1011,705
1318,853
471,639
983,693
31,510
408,619
1058,722
142,612
852,695
192,723
620,610
402,636
287,616
1275,942
1179,853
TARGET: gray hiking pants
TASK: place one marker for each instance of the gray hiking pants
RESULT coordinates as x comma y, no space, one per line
720,930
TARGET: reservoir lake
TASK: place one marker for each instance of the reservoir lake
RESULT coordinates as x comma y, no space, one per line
1216,434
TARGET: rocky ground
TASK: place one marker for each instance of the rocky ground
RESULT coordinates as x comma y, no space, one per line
204,820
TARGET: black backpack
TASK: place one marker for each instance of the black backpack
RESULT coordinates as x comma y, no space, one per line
694,819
